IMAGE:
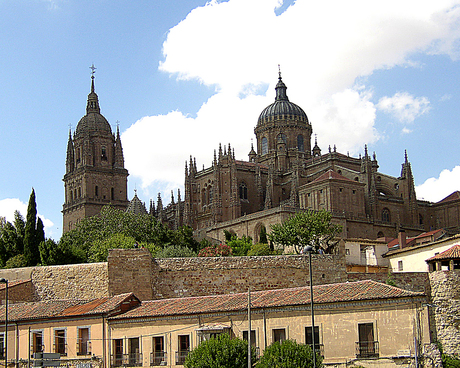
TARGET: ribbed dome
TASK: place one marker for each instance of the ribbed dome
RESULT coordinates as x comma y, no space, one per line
93,120
282,108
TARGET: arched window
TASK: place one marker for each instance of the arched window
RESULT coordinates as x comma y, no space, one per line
210,194
386,215
264,146
380,235
243,191
203,197
104,154
300,145
420,219
96,191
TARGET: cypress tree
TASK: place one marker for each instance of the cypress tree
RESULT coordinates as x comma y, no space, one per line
31,240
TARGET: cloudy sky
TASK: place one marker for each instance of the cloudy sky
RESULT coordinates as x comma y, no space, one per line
182,76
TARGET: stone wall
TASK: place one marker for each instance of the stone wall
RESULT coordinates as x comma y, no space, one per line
413,281
18,291
81,281
129,270
445,306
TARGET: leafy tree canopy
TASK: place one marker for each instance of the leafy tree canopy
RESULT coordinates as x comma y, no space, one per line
288,354
220,352
306,228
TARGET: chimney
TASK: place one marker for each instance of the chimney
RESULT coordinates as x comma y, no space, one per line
402,238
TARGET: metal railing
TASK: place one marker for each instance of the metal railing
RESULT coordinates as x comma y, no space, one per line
157,357
84,348
367,349
180,356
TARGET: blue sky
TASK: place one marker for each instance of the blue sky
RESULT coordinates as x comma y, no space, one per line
181,77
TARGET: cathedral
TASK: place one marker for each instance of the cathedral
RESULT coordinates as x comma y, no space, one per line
283,174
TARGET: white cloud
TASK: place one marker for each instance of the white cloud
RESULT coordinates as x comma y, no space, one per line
9,205
322,46
404,107
436,189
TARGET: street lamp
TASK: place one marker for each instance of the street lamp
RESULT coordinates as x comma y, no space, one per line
309,249
5,340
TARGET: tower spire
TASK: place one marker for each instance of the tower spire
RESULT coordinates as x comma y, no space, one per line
93,100
280,88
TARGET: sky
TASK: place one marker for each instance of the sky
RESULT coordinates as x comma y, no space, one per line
180,77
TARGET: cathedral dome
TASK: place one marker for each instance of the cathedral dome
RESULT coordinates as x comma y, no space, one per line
93,120
282,108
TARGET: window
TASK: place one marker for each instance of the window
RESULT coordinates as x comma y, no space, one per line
282,138
2,346
78,155
400,266
117,357
347,251
210,194
96,191
253,337
134,353
158,351
309,337
104,154
279,334
112,194
83,341
264,146
300,145
366,347
183,349
37,341
243,191
386,215
60,345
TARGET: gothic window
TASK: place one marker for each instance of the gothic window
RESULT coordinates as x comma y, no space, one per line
203,197
96,191
386,215
210,193
112,194
79,192
78,155
420,219
300,145
243,191
264,146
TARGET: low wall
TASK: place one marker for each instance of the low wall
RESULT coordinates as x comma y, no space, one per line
413,281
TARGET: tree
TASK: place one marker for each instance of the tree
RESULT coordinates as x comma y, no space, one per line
263,235
288,354
240,247
306,228
222,351
33,234
260,250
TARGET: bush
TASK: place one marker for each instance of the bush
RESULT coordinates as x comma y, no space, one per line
220,250
260,250
16,262
288,354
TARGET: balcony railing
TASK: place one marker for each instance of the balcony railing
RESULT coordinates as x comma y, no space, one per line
135,360
84,348
319,348
157,357
118,360
367,349
180,356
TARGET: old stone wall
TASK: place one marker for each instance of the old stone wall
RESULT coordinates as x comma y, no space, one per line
81,281
445,307
413,281
18,291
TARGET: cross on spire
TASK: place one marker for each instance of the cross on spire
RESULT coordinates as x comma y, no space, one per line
279,71
93,70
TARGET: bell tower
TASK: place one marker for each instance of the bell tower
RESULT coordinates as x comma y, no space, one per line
95,173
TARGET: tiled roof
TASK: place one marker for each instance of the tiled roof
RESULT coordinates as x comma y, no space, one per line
14,283
63,308
342,292
331,174
451,253
451,197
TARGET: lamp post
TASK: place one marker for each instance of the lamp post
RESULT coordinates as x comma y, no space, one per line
5,340
308,249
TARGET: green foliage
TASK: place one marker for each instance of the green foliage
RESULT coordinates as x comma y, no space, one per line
33,234
16,262
240,247
448,361
288,354
216,250
260,250
220,352
390,280
99,251
174,251
306,228
228,235
184,237
263,239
